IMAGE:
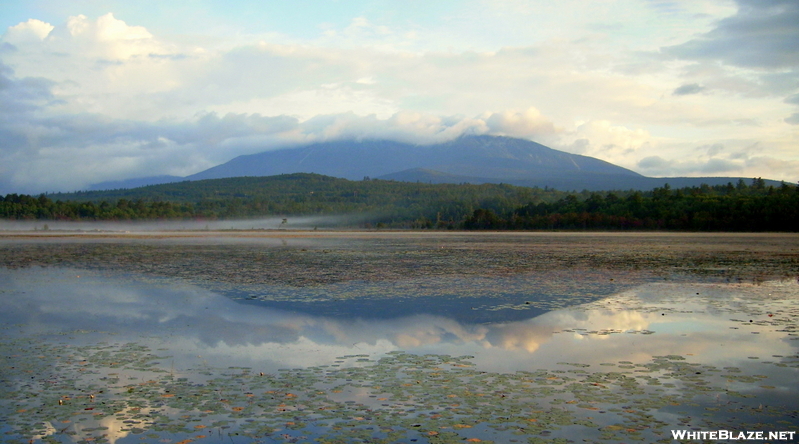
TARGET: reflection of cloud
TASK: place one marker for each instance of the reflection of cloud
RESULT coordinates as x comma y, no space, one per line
48,430
218,322
519,337
113,428
530,335
195,322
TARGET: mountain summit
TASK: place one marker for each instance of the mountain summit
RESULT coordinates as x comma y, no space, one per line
486,157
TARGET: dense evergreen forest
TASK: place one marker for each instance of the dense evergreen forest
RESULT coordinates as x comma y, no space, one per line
380,203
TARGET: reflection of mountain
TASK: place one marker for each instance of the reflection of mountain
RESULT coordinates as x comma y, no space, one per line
199,322
190,314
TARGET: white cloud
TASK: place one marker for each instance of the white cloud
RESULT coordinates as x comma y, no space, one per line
32,30
525,124
602,139
111,29
106,37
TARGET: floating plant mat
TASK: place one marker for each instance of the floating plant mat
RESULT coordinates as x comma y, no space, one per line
91,357
299,259
120,393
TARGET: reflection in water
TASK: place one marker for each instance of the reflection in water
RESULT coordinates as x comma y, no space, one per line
193,321
744,327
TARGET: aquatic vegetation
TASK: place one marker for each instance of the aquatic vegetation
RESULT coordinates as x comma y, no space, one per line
58,389
106,392
445,343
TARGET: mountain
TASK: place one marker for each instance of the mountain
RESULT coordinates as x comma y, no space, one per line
495,158
567,182
468,159
135,183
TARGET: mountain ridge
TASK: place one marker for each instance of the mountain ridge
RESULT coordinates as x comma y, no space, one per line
494,157
467,159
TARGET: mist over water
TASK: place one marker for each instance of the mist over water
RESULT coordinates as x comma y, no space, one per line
269,223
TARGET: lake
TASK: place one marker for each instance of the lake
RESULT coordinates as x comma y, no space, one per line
243,337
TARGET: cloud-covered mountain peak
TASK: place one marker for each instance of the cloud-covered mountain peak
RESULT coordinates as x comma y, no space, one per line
494,157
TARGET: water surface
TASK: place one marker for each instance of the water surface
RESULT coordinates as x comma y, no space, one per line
109,357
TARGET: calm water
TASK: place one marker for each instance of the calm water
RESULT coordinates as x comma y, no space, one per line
115,358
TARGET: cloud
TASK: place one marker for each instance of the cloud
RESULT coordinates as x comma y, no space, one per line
793,119
793,100
32,30
603,139
754,53
762,34
712,149
22,95
528,123
748,161
684,90
769,165
658,166
109,37
45,152
654,163
100,89
67,152
404,126
716,165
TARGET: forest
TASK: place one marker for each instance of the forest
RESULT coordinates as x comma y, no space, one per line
390,204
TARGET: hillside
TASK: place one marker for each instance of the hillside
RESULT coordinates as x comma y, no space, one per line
380,203
376,201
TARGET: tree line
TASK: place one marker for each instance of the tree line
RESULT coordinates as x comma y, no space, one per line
379,203
739,207
375,202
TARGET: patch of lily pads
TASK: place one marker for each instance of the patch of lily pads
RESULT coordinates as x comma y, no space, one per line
104,393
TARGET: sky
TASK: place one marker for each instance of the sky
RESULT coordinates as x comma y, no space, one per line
101,90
